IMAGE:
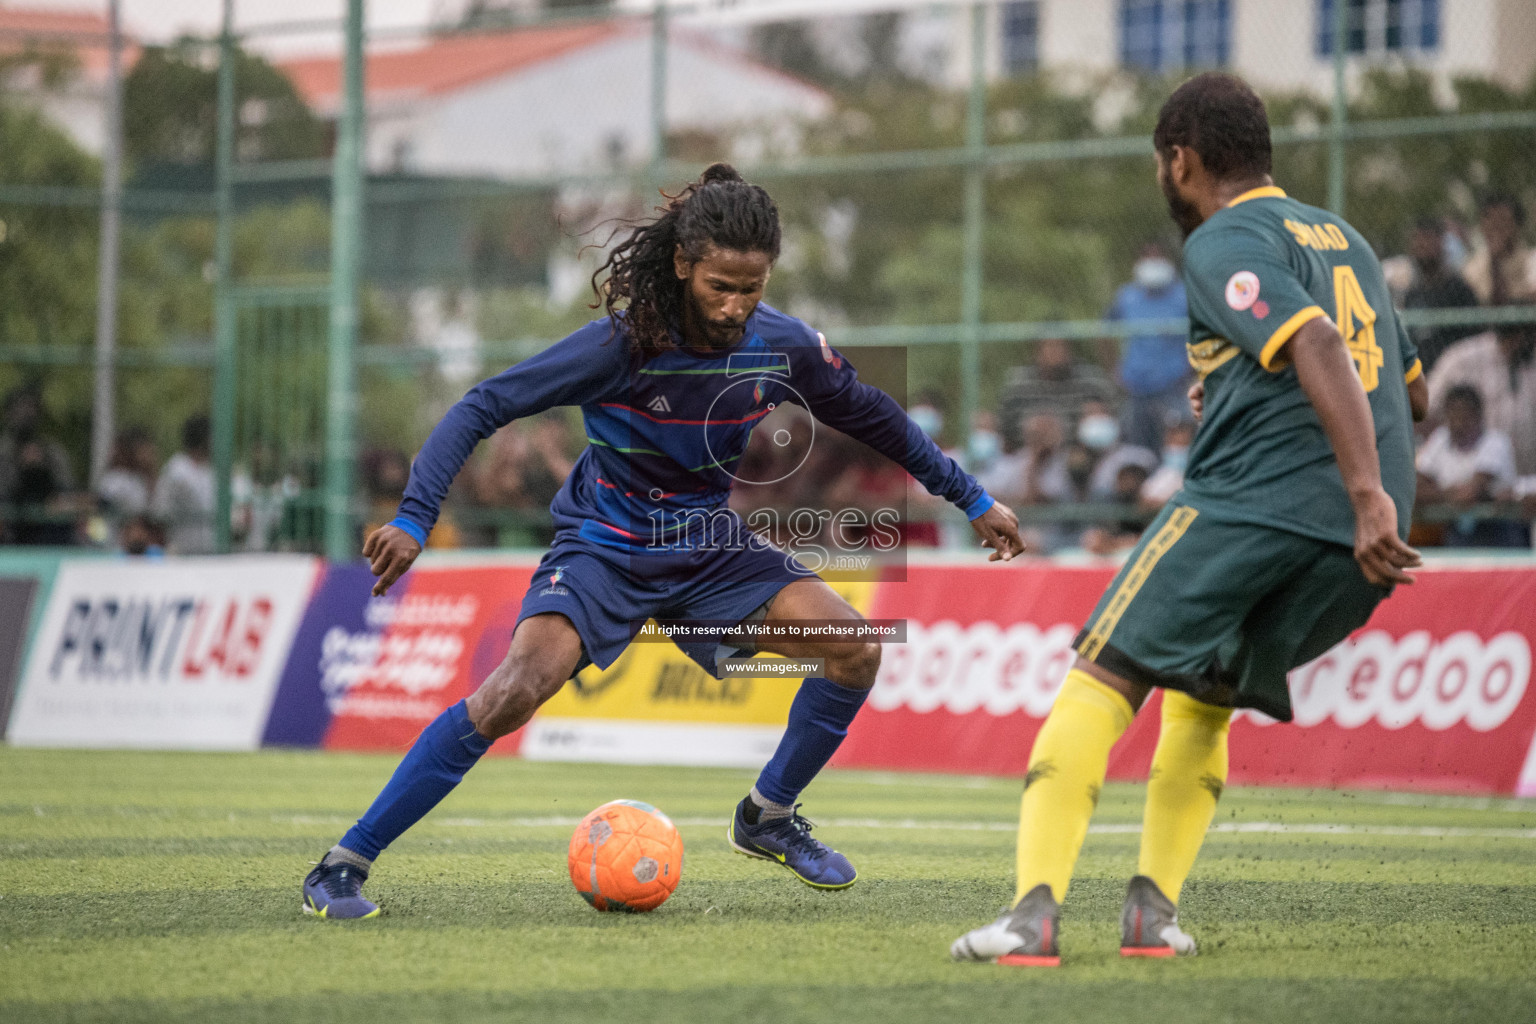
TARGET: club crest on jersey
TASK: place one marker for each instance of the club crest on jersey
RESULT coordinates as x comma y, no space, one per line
1242,290
826,352
659,404
554,586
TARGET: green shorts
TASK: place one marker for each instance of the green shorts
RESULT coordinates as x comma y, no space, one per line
1223,610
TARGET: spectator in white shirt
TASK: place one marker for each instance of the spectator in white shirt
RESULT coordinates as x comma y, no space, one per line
1465,464
184,494
129,479
1501,366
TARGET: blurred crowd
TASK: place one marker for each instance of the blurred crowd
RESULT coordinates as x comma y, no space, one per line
1069,431
1087,441
142,504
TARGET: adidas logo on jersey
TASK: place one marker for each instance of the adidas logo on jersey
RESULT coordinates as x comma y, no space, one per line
659,404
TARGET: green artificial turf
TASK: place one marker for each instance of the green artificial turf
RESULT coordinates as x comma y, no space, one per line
165,887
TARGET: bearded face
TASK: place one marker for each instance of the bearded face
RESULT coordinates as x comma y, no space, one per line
1183,211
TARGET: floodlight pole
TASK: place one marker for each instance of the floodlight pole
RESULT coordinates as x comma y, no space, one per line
346,261
1336,179
103,416
974,223
658,89
222,414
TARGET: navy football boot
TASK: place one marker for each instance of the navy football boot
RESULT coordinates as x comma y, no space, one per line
788,841
335,891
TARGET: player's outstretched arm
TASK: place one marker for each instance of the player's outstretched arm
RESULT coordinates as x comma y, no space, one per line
998,528
1327,374
390,551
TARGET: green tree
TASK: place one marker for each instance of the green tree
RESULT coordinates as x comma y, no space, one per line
170,109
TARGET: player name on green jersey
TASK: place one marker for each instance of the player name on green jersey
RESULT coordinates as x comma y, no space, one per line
1256,272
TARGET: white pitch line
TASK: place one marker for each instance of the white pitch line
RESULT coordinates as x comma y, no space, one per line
915,825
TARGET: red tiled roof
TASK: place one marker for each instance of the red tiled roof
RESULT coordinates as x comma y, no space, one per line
84,32
446,63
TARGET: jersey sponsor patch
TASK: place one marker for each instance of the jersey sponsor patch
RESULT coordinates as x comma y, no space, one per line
826,351
1242,290
555,584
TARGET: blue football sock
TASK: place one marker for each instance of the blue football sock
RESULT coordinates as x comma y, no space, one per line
818,721
441,755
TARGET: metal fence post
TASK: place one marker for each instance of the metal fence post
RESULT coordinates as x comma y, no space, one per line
658,88
104,414
346,252
1336,179
224,384
971,282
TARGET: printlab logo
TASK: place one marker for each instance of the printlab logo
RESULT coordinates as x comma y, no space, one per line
555,586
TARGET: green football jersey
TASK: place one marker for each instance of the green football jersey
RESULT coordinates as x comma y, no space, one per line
1255,272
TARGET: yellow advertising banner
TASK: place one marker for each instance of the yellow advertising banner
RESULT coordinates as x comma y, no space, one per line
655,705
656,682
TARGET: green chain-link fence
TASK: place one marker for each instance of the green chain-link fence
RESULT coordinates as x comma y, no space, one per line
962,180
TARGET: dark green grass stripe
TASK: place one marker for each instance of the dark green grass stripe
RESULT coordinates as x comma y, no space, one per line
505,904
551,842
1148,992
305,847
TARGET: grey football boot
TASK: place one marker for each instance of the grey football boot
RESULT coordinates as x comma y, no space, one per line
1024,936
1149,924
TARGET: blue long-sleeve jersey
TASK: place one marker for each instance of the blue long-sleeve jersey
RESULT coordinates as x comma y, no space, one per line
664,434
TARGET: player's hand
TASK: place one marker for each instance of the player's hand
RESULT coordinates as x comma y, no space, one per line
390,551
1380,551
998,529
1197,399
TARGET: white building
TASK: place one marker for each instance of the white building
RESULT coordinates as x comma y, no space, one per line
77,102
569,98
1275,44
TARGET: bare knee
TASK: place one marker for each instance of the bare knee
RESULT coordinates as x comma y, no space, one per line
856,666
513,692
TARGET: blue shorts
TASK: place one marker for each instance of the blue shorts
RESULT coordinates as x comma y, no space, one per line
608,593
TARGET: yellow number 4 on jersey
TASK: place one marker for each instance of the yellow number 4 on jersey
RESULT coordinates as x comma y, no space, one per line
1357,323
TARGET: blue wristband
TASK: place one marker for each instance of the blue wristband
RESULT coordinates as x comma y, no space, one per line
978,508
415,530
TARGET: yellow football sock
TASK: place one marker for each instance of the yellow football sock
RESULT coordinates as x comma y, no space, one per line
1066,772
1189,770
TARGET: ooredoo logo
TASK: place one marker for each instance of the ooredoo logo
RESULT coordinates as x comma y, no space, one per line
1415,678
977,667
1375,677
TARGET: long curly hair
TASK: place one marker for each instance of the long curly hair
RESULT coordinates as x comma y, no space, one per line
718,209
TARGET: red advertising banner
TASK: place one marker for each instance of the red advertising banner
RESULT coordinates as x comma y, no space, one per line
392,669
1434,693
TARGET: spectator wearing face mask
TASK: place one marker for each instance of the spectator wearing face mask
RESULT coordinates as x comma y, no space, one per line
1168,479
1036,474
1154,367
1057,383
928,414
984,446
1099,432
